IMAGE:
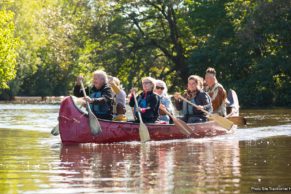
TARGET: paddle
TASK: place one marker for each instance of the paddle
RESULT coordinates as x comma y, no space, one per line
93,121
223,122
238,120
55,131
181,125
115,88
143,130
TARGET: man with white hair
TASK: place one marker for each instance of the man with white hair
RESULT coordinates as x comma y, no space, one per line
99,95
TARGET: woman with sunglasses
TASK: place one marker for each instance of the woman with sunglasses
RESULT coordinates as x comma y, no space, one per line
162,90
196,95
148,101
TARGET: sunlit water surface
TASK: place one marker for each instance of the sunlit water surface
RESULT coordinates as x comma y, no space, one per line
255,158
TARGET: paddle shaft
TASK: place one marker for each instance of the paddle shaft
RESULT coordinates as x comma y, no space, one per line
218,119
136,104
84,93
167,112
87,103
93,120
189,102
143,130
179,123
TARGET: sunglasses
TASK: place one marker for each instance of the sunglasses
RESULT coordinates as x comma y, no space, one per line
158,87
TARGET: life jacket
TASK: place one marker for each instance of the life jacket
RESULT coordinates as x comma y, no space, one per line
142,102
221,110
146,101
99,109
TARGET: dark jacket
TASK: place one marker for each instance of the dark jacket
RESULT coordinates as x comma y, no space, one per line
200,99
151,114
102,100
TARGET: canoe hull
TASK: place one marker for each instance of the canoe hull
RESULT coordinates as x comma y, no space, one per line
74,128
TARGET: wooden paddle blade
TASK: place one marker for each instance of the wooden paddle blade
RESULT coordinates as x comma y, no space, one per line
55,131
94,123
144,133
223,122
143,130
183,127
238,120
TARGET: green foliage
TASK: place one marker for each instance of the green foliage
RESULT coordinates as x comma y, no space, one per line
8,46
253,53
248,42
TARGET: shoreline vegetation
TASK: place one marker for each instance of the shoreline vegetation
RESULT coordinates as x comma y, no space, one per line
34,100
45,45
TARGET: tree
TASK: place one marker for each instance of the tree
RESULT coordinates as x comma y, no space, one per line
247,42
160,26
8,46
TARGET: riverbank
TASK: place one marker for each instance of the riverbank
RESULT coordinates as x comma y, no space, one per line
35,100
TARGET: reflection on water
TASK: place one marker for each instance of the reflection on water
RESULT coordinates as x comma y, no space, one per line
33,161
157,167
266,163
23,161
28,116
267,117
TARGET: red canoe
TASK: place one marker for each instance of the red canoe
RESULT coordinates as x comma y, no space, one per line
74,128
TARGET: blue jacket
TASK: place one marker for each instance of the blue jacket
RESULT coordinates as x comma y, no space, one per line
201,98
102,100
151,101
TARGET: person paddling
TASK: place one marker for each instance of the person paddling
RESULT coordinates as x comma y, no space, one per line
99,95
196,95
162,90
216,92
232,104
119,99
148,101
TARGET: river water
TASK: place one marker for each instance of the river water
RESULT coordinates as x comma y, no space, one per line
256,158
